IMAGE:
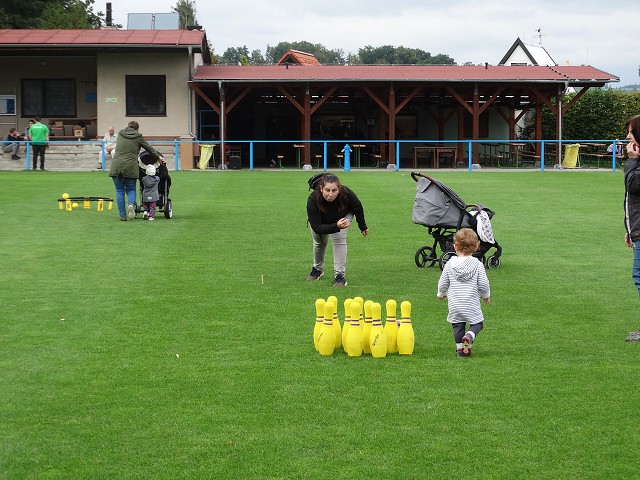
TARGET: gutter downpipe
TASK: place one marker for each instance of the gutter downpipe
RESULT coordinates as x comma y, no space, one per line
561,93
190,94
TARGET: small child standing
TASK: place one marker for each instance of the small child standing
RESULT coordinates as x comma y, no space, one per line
464,282
150,193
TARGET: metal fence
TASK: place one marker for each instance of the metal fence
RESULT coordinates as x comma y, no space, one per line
181,154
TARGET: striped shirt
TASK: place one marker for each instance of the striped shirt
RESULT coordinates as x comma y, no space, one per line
464,281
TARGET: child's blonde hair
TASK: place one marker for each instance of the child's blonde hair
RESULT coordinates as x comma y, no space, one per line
466,240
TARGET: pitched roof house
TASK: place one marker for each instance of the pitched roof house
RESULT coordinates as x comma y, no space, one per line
103,78
522,54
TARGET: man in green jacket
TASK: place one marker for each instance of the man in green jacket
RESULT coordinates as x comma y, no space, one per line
124,167
39,136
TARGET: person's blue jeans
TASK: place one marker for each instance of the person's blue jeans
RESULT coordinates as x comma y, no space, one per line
123,185
635,272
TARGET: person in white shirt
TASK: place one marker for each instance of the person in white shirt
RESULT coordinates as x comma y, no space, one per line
464,282
109,140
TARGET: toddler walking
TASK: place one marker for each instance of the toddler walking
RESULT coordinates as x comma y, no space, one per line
150,193
464,282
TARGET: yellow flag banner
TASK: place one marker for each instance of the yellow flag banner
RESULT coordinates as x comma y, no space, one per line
206,153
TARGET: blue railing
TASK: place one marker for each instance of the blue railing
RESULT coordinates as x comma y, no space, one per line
511,160
491,152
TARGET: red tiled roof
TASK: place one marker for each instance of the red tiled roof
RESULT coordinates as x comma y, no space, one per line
443,73
38,38
302,58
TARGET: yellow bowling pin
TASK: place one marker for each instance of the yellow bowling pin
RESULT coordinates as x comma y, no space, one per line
327,337
391,327
87,203
360,300
60,204
336,321
406,339
354,335
69,206
100,204
110,205
319,319
377,337
347,322
366,329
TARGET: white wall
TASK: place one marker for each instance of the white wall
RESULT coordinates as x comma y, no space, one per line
112,69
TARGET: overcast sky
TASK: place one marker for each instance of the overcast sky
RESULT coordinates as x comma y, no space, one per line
595,32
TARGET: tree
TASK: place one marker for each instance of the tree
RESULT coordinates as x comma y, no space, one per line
186,13
599,115
233,56
390,55
51,14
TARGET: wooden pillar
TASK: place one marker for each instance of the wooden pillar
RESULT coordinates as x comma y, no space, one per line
392,123
476,123
223,125
441,122
381,135
538,126
306,122
461,148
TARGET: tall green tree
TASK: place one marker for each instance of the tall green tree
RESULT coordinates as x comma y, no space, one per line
186,11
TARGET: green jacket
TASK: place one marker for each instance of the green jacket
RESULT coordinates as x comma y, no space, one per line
128,145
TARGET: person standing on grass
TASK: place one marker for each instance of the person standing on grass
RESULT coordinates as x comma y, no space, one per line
464,282
632,204
39,136
124,168
330,208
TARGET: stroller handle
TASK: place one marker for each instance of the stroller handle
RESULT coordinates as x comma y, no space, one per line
415,176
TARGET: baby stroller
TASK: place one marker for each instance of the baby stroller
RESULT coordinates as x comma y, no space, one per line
438,208
164,202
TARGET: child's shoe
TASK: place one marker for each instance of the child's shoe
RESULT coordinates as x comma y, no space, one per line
466,346
145,215
459,353
150,219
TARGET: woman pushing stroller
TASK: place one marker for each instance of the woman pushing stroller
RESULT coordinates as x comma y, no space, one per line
124,168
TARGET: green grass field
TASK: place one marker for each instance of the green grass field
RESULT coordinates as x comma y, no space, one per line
153,350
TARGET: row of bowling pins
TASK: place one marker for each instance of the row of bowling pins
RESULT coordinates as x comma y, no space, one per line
363,334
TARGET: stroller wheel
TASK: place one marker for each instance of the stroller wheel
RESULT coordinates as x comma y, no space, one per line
425,257
168,212
493,262
444,258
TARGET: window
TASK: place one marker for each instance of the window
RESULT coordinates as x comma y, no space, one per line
146,95
49,97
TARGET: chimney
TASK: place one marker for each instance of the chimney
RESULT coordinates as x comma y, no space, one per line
108,17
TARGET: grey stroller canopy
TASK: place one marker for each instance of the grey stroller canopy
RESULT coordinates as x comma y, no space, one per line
436,205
